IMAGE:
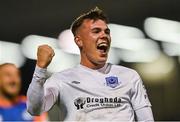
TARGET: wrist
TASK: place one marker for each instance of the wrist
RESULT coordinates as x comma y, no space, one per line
41,65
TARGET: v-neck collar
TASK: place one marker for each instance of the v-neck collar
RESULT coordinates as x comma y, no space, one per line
102,70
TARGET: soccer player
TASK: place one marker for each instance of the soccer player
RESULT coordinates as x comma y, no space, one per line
93,90
12,105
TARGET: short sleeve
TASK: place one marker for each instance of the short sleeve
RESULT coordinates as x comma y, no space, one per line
139,97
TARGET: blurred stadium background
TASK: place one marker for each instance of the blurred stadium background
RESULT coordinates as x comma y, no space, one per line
145,37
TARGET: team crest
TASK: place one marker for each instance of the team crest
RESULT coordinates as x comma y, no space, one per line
112,81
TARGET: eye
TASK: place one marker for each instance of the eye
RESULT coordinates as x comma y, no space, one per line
107,31
96,30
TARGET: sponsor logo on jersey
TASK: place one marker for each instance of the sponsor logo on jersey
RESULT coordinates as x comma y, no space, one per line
79,102
95,102
112,81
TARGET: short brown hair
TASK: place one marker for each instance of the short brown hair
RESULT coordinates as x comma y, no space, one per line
5,64
93,14
9,64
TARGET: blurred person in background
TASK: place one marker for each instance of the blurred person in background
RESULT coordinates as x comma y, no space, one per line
12,105
94,90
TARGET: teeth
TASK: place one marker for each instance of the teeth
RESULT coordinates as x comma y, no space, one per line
103,44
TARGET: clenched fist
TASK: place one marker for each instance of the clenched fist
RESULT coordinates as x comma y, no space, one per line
44,56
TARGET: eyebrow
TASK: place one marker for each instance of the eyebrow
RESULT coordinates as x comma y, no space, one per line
98,28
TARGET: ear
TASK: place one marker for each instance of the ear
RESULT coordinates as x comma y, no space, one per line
78,41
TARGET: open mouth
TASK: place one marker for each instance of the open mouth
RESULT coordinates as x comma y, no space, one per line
103,47
13,85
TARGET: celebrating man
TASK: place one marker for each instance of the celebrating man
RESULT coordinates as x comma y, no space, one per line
93,90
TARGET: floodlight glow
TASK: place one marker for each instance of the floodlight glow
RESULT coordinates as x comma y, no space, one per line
66,42
125,37
171,49
62,61
158,70
129,38
113,57
30,45
162,29
125,31
132,44
139,56
148,52
11,53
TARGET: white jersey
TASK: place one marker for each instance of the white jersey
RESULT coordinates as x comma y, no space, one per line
112,93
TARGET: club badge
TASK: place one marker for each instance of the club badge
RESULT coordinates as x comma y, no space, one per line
112,81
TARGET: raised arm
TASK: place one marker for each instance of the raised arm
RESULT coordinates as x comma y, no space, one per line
42,92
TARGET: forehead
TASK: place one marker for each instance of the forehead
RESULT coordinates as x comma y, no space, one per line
90,24
9,68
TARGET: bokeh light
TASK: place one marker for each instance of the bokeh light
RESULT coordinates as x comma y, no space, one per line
11,53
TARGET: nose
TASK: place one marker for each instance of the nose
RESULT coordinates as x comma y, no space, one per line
104,35
15,79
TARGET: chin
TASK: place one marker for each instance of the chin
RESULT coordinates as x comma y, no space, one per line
102,61
13,93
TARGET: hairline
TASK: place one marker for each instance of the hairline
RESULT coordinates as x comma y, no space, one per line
94,20
8,64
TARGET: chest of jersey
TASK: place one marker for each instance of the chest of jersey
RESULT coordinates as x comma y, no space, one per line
93,94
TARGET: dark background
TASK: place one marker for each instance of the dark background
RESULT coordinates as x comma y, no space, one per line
20,18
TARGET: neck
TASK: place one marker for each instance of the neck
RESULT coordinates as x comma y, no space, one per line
91,65
6,101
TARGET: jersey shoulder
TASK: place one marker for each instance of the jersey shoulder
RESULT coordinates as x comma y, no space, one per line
70,72
125,71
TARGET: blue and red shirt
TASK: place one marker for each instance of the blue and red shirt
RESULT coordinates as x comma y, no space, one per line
17,111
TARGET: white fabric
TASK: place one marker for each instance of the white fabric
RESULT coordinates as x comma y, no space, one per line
88,96
144,114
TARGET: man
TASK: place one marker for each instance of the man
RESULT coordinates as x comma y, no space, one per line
94,90
13,106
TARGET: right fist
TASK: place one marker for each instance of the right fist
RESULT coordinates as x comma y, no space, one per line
44,56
